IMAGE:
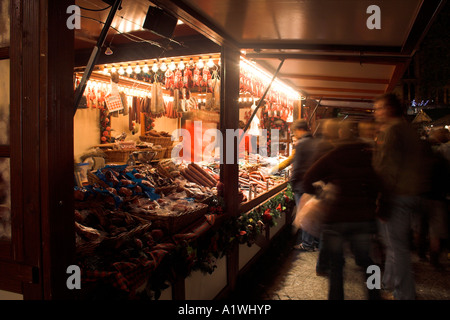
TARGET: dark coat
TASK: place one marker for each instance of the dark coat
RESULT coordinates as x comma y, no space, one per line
349,168
303,159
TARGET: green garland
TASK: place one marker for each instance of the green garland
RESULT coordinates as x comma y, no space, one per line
203,253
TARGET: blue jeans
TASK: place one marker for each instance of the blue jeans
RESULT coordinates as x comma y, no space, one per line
304,237
395,235
359,234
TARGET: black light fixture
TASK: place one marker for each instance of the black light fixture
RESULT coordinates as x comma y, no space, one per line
160,22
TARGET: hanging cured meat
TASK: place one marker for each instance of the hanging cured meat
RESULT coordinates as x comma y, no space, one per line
170,79
178,79
187,78
197,78
157,101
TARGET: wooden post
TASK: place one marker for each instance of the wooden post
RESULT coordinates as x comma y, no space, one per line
56,147
229,172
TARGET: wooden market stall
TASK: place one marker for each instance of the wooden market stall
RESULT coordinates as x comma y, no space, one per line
42,61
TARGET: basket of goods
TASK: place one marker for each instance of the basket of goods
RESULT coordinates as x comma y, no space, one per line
167,214
117,155
169,151
120,152
164,139
160,152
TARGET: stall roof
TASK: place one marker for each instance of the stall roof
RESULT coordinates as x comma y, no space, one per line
330,53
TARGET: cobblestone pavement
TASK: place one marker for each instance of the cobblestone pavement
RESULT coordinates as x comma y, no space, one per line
288,274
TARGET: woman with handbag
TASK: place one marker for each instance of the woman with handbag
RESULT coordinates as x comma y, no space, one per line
349,211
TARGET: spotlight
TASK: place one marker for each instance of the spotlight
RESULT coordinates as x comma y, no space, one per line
160,22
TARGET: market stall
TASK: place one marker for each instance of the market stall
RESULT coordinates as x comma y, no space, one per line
147,181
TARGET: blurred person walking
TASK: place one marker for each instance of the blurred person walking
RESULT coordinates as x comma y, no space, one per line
305,149
350,208
398,160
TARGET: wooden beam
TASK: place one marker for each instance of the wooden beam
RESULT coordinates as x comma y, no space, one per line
295,45
229,172
318,96
331,78
197,21
350,90
347,100
192,45
372,59
425,18
56,160
397,75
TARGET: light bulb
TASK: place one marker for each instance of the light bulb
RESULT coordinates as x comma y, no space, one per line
172,66
129,70
155,67
191,62
181,65
137,69
121,71
163,67
200,64
145,68
210,63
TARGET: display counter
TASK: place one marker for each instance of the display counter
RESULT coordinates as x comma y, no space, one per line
143,228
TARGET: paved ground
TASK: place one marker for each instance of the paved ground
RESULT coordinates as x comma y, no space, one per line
284,273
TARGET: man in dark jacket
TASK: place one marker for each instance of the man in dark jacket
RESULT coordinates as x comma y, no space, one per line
305,150
350,209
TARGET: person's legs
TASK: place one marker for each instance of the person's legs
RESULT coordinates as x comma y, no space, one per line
322,265
398,270
333,243
360,236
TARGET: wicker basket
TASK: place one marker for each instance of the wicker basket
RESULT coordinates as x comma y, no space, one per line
175,222
160,153
118,155
169,152
162,141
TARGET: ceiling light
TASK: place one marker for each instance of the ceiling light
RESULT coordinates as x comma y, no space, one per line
163,67
181,65
155,67
137,69
145,68
105,70
113,69
210,63
172,66
200,64
129,70
121,71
